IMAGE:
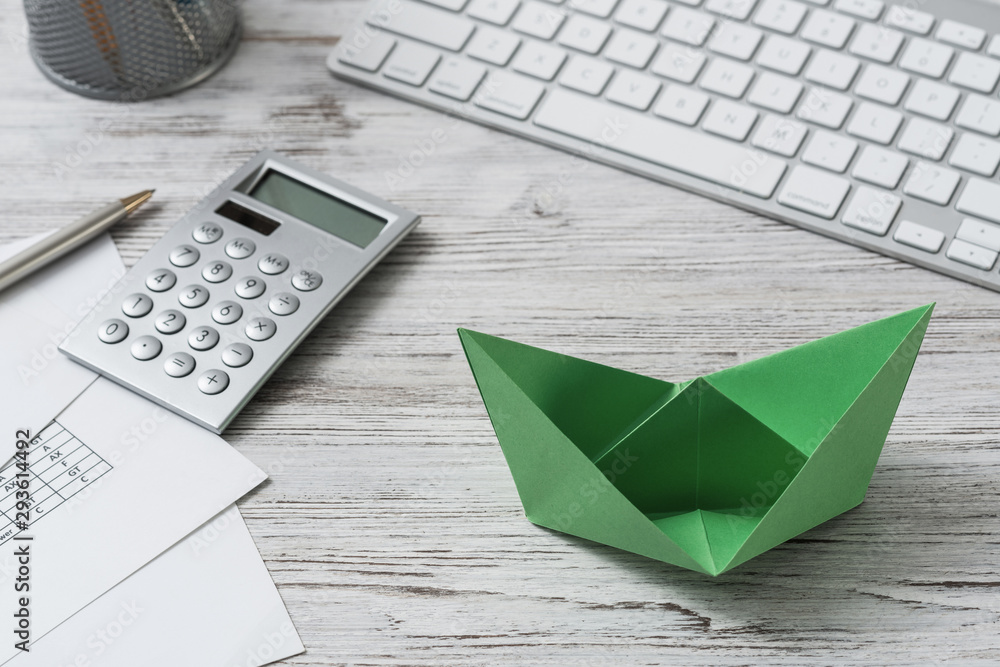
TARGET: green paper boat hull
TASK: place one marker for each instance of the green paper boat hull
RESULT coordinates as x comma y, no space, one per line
704,474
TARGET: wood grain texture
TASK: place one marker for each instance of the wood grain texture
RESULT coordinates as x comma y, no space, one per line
390,522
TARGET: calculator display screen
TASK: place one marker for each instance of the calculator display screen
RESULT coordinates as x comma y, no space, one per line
318,208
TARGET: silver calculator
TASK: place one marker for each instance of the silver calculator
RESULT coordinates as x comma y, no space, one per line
204,318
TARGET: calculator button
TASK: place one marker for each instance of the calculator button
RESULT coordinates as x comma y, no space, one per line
193,296
237,354
112,331
207,232
213,382
227,312
137,305
216,272
170,321
161,280
184,255
240,248
272,264
260,328
283,303
145,348
203,338
250,287
178,364
306,281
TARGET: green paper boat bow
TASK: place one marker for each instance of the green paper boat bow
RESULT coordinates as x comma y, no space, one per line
704,474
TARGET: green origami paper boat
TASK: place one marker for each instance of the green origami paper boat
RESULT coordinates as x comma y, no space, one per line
704,474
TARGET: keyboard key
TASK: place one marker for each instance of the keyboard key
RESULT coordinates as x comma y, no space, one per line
368,57
825,107
679,63
872,210
930,99
879,166
976,154
983,234
729,119
830,151
980,199
971,254
213,382
814,191
775,92
865,9
926,139
875,123
931,183
688,26
137,305
925,57
631,48
993,48
727,77
537,19
827,28
145,348
493,11
112,331
493,46
684,105
783,16
960,34
453,5
832,69
633,90
641,14
918,236
909,19
780,135
877,43
783,55
411,63
588,75
734,9
509,94
663,143
425,24
599,8
882,84
981,114
736,40
584,33
457,78
538,60
975,72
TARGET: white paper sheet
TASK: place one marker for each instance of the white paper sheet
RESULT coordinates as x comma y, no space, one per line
208,600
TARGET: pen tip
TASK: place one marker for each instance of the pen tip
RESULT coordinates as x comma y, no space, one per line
136,200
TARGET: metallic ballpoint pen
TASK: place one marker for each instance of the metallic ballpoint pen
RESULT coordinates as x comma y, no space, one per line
68,238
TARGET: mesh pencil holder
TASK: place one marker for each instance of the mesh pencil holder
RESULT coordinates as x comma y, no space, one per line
130,50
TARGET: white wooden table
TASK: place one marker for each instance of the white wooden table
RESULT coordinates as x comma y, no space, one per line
390,522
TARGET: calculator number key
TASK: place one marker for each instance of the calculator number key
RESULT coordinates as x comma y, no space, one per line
306,281
260,328
184,255
112,331
250,288
237,355
178,365
208,232
240,248
160,280
272,264
213,382
170,321
137,305
145,348
193,296
283,303
227,312
203,338
217,272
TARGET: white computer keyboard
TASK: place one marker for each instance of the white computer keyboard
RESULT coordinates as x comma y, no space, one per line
873,124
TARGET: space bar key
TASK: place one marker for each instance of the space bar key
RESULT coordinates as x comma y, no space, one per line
661,142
